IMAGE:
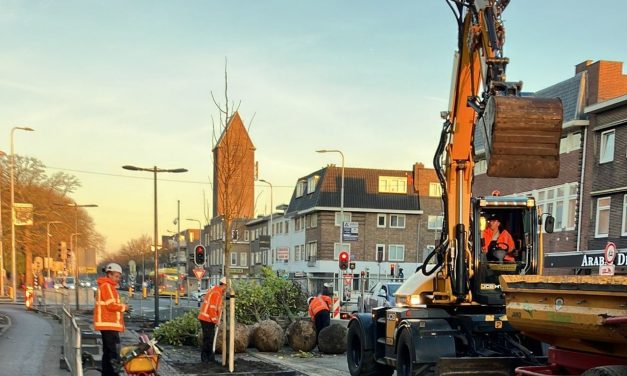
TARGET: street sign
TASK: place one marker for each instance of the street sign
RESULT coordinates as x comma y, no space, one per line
199,273
606,270
350,231
610,253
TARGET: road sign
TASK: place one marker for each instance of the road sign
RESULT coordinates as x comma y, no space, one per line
199,273
610,253
606,270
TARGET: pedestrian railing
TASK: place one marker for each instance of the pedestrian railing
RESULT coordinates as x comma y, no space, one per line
71,344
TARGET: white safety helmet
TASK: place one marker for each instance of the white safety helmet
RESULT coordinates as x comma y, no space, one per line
113,267
223,281
309,300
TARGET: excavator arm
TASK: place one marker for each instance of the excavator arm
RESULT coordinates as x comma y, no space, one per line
521,137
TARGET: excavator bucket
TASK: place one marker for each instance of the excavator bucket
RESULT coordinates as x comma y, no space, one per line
522,136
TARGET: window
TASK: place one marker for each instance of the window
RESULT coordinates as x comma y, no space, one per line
392,184
338,216
297,253
381,220
379,249
313,220
602,227
311,251
481,167
606,152
299,224
233,259
396,252
312,181
624,229
300,188
243,259
561,202
397,220
247,235
339,247
435,190
435,222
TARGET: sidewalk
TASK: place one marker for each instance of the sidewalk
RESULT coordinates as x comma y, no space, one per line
312,364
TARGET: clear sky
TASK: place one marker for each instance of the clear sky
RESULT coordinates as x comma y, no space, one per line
109,83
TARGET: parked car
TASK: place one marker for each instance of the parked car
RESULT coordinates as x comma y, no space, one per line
380,295
69,283
198,295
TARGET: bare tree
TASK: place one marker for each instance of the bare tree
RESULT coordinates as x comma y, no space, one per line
233,160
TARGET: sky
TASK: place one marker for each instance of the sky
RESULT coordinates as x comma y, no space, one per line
112,83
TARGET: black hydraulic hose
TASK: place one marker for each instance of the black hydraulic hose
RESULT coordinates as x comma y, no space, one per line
440,250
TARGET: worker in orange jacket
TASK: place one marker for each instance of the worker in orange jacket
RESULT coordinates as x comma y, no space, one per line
109,316
496,238
209,317
319,311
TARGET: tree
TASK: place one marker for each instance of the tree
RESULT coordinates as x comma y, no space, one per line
233,164
32,185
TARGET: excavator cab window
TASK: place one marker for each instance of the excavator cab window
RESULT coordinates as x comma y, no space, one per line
505,247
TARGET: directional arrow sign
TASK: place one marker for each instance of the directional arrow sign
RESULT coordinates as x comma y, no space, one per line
199,273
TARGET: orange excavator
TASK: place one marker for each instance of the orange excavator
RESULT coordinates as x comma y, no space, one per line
450,317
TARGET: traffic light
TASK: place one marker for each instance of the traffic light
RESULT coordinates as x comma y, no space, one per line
392,266
62,251
199,255
343,260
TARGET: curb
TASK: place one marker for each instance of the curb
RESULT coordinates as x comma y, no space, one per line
4,328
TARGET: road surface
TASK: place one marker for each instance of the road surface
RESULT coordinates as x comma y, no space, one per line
31,345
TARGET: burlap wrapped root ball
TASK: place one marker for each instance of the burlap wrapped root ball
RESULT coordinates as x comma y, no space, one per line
332,339
268,336
242,338
301,335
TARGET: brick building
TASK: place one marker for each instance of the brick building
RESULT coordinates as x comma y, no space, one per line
564,197
233,172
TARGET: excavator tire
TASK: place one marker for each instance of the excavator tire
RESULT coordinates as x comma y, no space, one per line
361,362
606,371
522,136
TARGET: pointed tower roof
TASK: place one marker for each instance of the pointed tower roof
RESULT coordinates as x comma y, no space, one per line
235,124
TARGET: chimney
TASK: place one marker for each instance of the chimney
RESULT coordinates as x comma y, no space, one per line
582,66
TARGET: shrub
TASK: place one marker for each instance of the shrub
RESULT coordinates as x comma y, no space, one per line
180,331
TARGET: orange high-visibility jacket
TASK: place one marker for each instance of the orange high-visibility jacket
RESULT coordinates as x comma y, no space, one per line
316,306
211,306
504,237
328,300
108,311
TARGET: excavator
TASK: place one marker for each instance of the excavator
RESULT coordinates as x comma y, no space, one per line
450,316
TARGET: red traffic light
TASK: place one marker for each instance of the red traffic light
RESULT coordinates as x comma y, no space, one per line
343,260
199,255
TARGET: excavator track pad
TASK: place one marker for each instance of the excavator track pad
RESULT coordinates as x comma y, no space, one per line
522,136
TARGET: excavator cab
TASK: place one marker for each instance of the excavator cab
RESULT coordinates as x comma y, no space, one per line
513,252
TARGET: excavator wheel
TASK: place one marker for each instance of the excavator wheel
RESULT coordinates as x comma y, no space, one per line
522,136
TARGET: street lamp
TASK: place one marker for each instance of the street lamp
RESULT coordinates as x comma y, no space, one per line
48,242
13,261
74,245
271,210
155,170
2,154
341,196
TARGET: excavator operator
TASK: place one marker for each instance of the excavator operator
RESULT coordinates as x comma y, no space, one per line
497,242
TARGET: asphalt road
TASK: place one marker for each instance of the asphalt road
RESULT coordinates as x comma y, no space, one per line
31,345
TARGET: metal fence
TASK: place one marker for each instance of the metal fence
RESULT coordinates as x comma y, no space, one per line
72,344
61,303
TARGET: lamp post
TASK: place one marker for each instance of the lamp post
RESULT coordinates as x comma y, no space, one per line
74,246
2,154
155,170
13,261
48,242
341,197
271,210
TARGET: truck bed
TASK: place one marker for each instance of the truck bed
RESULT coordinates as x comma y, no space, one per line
582,313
